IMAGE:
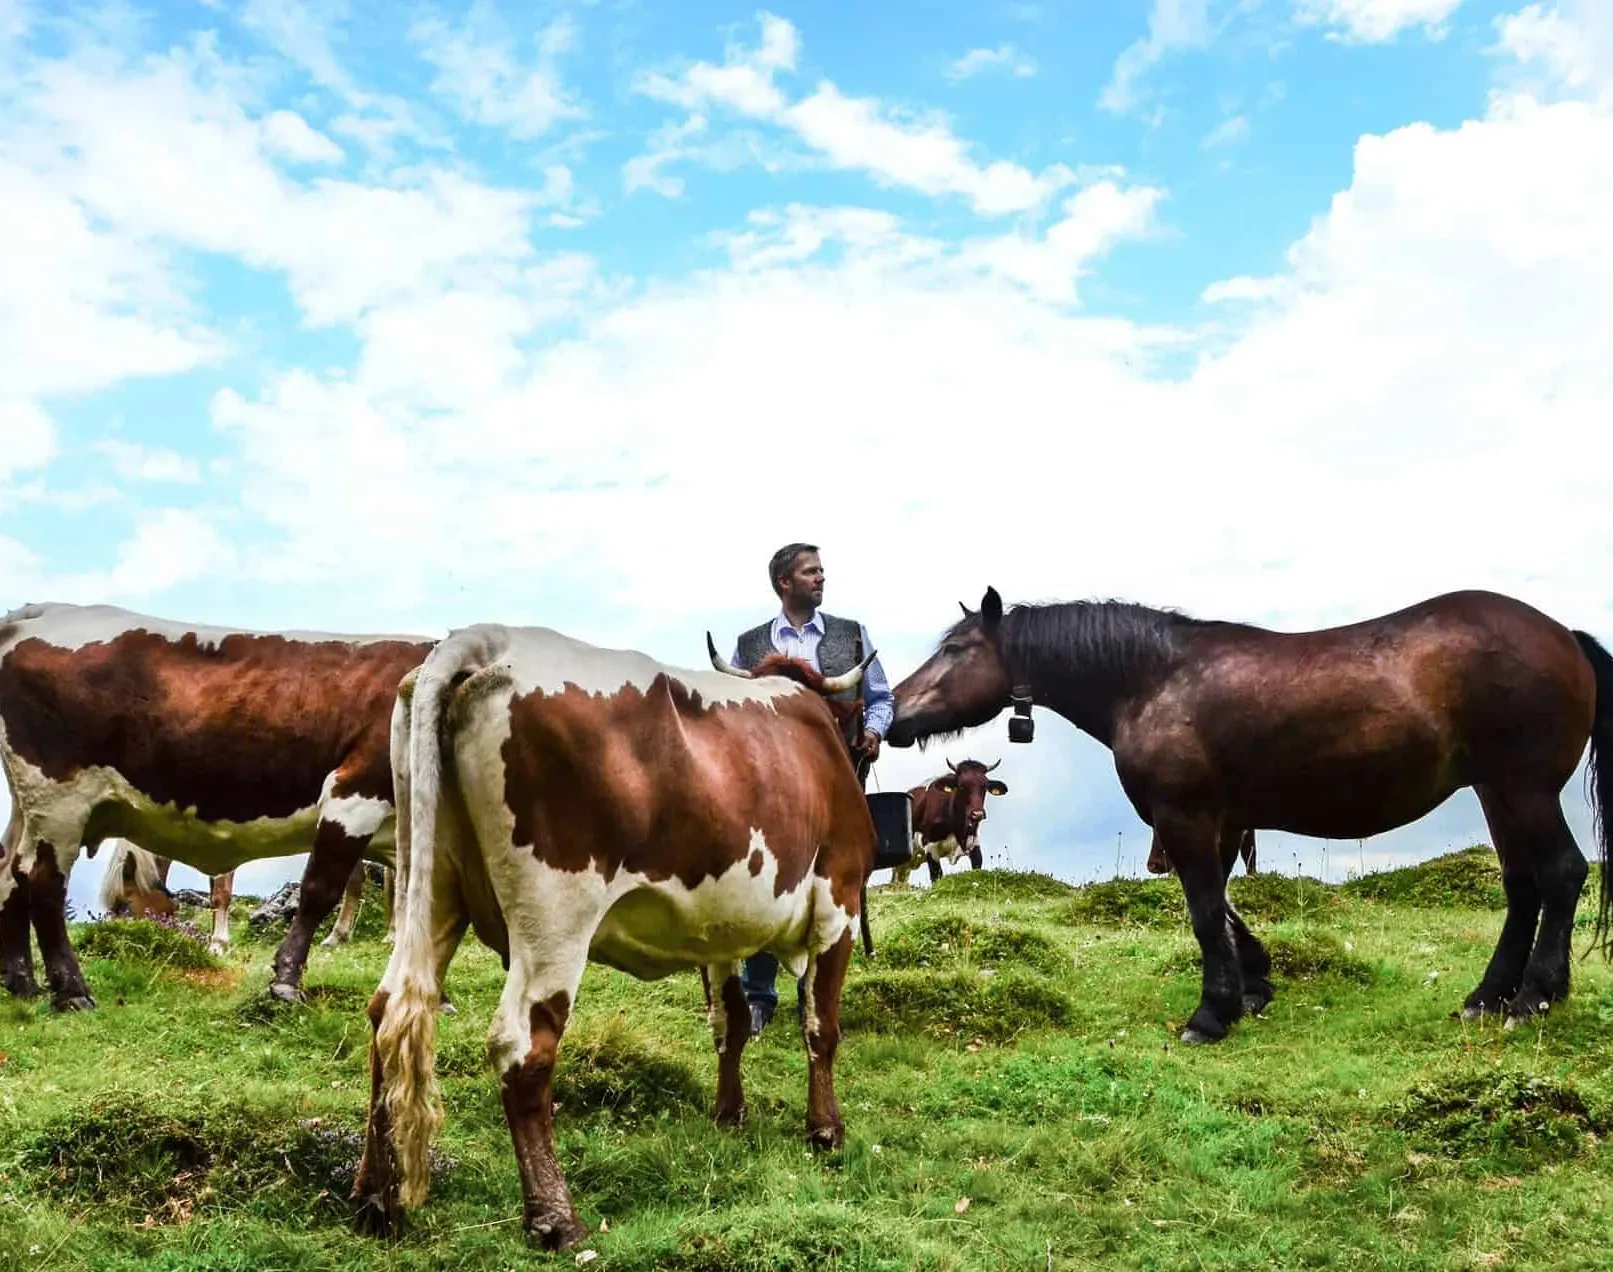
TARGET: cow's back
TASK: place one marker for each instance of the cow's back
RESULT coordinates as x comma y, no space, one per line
232,724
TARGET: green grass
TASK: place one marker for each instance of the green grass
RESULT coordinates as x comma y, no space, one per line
1013,1092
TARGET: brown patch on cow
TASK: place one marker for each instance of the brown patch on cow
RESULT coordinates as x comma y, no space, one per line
658,783
243,729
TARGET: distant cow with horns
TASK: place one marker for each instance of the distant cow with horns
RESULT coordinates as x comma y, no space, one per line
947,812
580,804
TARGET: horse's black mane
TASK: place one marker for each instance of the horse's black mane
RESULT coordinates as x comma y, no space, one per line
1111,642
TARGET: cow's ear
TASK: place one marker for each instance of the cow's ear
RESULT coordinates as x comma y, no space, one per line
994,787
991,610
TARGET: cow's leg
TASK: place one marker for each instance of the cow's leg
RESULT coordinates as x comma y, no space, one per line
976,857
337,847
223,891
826,973
729,1013
47,907
16,943
935,867
389,883
352,898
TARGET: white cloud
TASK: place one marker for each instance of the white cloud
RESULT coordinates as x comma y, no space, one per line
479,73
287,133
170,547
133,462
1005,57
861,134
29,437
1229,132
1173,26
1376,21
1566,47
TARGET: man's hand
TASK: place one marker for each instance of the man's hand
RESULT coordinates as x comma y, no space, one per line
869,746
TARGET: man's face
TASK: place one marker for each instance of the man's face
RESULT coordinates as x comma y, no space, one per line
804,584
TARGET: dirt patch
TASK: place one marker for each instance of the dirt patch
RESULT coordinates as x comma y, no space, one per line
1511,1117
1469,879
958,1005
941,939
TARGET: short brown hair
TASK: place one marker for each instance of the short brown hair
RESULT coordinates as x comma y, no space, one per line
783,561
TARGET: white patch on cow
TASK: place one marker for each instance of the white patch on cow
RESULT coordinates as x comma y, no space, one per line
539,658
74,626
947,850
358,815
221,928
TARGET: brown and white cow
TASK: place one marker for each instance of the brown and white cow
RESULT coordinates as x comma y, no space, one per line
582,804
1159,864
136,881
213,746
947,812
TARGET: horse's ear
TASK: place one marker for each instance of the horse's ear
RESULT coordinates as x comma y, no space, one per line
991,609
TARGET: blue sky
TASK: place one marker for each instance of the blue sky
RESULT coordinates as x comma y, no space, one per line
400,317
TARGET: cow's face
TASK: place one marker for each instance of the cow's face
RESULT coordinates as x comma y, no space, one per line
964,683
969,783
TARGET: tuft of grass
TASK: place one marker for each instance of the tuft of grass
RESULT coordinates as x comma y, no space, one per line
605,1067
955,1005
1465,880
138,1153
1277,898
935,940
1512,1117
1129,902
1315,955
162,942
1000,885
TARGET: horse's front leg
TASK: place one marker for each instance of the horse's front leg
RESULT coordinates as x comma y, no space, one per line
1192,842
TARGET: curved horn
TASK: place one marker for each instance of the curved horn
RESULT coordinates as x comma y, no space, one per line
722,664
850,679
989,767
951,765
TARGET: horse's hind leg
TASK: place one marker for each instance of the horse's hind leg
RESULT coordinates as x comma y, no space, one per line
1253,960
1518,881
1560,871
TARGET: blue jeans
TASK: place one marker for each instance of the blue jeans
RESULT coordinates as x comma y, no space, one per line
759,974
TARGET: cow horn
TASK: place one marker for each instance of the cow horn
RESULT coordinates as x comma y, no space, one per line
850,679
951,765
989,767
722,664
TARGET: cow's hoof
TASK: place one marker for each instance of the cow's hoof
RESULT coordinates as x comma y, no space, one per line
329,943
218,947
287,993
826,1138
74,1002
558,1233
447,1008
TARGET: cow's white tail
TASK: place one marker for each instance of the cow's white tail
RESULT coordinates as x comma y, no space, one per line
407,1036
146,876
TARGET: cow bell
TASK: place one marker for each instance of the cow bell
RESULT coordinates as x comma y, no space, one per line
1021,728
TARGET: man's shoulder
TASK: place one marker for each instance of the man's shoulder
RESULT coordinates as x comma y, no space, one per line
836,620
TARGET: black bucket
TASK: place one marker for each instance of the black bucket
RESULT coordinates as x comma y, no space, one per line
893,823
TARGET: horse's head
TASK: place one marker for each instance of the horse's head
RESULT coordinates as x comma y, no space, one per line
964,683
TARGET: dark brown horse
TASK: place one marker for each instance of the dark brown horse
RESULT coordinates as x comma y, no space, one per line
1217,728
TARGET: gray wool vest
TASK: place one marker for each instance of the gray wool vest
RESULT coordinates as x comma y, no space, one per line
838,652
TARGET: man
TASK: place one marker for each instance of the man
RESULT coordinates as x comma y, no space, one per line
833,645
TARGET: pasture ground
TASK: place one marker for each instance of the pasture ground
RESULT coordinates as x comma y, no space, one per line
1013,1095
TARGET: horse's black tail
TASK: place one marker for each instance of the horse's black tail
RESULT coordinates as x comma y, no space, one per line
1599,769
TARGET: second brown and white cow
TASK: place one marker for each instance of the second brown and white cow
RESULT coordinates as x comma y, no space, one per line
581,804
210,745
947,812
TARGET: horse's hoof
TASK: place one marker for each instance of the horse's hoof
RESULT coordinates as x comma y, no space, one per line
1254,1004
1193,1037
557,1234
287,993
76,1002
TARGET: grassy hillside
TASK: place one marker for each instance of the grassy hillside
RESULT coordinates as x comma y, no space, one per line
1013,1096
